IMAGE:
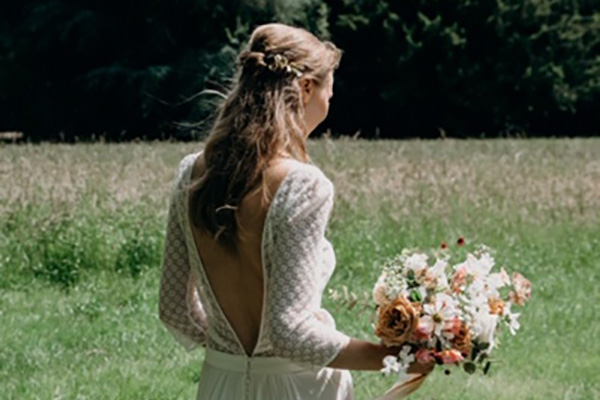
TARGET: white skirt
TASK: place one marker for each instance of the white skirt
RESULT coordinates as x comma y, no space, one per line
232,377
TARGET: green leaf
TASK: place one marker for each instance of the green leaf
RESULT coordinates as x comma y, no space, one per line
487,367
416,296
469,367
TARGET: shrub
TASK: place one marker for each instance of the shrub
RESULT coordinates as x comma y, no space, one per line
140,249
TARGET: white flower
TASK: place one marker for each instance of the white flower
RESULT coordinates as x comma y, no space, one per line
484,327
395,286
435,277
511,319
486,263
439,267
436,314
477,267
466,310
390,364
494,282
405,357
416,262
470,264
380,291
477,291
399,364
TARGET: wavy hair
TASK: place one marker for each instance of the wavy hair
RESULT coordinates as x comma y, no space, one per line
261,117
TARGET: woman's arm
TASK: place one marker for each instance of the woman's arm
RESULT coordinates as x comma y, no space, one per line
362,355
297,219
300,213
179,306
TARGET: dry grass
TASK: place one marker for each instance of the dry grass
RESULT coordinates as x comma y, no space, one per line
64,174
531,179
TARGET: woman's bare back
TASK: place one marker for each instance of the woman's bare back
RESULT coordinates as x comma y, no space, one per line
236,278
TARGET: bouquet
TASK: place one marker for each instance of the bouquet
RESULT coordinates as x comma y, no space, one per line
445,307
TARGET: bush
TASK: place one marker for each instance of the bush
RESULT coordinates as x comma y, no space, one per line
61,253
140,250
468,67
124,69
61,245
411,68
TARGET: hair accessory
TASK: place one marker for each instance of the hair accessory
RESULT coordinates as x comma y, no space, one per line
279,62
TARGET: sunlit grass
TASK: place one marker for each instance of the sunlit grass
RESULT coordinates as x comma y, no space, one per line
81,236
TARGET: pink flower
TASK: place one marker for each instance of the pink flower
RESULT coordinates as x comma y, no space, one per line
459,279
452,326
522,291
423,331
424,356
449,356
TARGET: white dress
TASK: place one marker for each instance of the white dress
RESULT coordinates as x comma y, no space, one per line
297,338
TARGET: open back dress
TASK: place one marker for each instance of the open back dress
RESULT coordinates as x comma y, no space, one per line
297,338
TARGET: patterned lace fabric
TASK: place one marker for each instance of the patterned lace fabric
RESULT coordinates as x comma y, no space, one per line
297,260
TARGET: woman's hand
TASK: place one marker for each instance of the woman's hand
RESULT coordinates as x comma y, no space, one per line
415,367
421,368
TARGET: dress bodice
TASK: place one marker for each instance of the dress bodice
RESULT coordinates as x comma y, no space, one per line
297,263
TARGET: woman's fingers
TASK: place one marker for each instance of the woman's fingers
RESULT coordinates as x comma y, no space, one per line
421,368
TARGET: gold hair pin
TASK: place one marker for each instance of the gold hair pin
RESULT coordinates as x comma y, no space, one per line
279,62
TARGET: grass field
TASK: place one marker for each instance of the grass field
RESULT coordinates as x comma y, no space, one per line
81,239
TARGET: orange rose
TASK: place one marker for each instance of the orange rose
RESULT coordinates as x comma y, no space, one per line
496,306
417,307
396,322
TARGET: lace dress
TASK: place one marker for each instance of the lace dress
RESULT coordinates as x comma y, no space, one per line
297,338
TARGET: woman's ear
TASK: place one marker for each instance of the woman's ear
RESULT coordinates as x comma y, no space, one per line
306,88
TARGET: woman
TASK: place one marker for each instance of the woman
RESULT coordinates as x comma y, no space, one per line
246,261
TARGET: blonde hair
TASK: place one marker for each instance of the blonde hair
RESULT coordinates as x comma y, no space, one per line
261,117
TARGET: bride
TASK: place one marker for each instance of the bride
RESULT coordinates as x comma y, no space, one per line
246,260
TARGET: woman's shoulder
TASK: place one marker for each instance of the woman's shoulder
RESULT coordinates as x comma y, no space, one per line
184,171
188,161
294,176
297,188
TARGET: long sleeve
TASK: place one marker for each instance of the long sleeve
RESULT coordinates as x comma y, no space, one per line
300,211
179,305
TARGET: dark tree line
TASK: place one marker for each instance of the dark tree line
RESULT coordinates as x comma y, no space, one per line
131,68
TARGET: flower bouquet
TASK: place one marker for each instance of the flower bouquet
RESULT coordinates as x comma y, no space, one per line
439,310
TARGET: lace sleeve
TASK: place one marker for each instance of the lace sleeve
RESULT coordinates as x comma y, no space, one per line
300,212
179,305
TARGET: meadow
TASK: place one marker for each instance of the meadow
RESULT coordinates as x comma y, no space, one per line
81,236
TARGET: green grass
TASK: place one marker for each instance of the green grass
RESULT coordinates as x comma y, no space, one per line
81,239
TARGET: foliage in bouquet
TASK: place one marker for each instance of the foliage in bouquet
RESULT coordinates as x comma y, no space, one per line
446,306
